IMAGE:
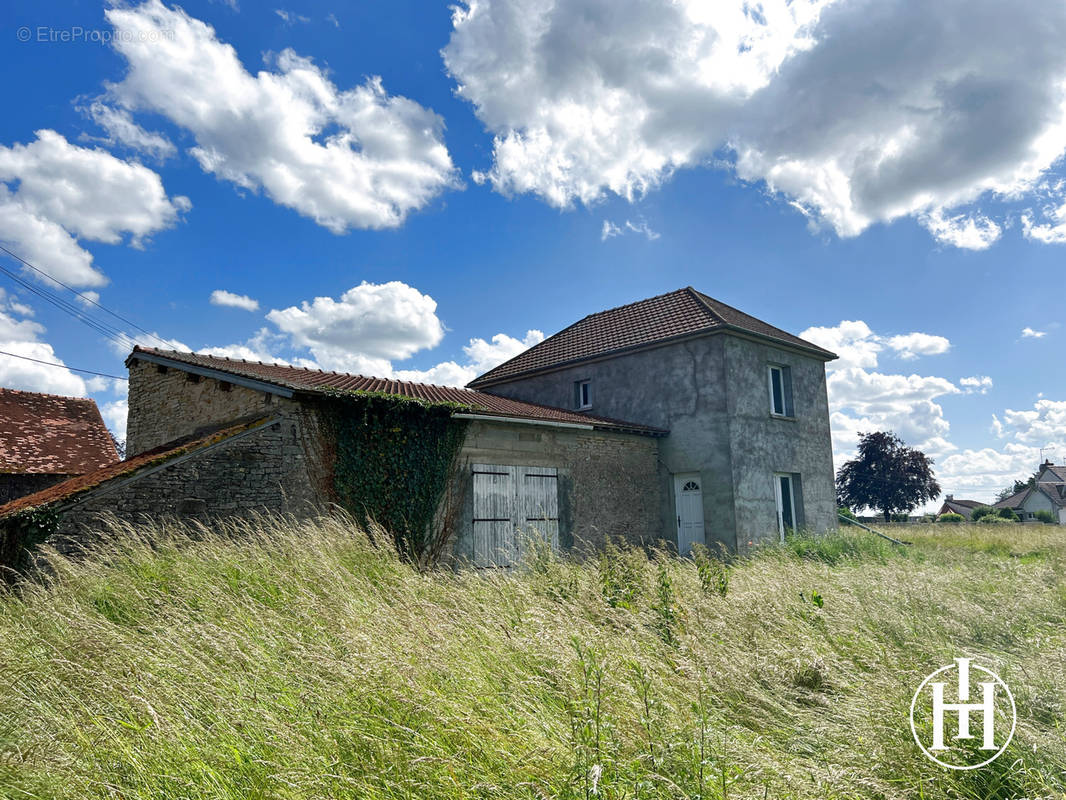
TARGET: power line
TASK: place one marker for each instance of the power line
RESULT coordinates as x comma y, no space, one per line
63,366
85,297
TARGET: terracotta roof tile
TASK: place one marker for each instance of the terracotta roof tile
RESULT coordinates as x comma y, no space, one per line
301,379
46,433
676,314
69,489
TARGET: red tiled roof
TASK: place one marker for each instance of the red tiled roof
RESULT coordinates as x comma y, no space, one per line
46,433
676,314
299,379
69,489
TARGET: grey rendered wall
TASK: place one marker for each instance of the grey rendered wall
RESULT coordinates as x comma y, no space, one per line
680,387
762,444
711,394
604,491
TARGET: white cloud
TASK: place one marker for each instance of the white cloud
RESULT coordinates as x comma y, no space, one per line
53,193
965,231
291,17
841,107
1045,423
977,384
220,297
610,230
912,345
21,337
115,415
1051,232
852,340
345,158
1029,333
481,356
121,129
365,329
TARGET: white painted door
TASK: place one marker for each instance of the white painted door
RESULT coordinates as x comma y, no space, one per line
786,504
511,505
688,496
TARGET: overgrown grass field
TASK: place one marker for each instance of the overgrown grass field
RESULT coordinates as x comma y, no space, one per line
286,660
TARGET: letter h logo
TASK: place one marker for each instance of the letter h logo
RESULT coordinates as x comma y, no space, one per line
987,707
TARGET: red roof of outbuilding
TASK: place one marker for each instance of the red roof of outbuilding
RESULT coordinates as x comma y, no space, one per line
300,379
47,433
70,489
677,314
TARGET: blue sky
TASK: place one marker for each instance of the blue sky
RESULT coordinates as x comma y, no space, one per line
448,182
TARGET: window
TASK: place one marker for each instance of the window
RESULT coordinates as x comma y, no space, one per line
582,395
789,496
780,379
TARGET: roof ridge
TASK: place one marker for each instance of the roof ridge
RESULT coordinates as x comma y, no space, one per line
48,394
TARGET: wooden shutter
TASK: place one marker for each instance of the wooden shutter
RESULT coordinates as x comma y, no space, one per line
512,504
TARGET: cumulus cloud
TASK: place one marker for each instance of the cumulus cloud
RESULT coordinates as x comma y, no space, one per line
352,158
1052,231
53,193
115,414
1029,333
965,231
855,112
481,356
220,297
22,337
365,329
121,129
911,345
1043,424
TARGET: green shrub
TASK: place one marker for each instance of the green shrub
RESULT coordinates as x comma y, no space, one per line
713,572
846,512
951,517
982,511
1008,514
995,519
1046,517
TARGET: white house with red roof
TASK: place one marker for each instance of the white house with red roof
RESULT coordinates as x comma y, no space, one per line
1047,493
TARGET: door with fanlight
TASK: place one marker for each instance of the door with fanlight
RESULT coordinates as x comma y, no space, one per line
688,496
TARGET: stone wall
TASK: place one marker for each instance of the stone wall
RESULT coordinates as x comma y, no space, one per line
607,486
166,403
269,470
16,485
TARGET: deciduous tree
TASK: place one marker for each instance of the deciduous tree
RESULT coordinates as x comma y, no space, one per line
886,475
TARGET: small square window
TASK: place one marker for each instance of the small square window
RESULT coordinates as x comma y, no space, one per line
582,395
780,380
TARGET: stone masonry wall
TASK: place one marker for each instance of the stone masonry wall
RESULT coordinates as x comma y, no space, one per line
607,481
268,470
166,403
16,485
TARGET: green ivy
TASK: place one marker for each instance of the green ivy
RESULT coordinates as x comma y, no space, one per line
392,459
23,531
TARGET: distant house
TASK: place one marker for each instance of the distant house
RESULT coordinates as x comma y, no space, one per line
46,439
1048,493
676,419
963,507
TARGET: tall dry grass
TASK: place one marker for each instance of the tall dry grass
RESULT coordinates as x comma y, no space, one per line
279,659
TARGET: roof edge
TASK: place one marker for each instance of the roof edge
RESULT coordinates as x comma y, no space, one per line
723,327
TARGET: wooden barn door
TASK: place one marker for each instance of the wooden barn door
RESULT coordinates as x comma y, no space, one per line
511,505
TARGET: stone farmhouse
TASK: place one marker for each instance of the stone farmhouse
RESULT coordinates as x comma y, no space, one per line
46,439
676,419
1048,493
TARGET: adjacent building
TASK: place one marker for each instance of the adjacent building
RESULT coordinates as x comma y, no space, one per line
46,439
1047,493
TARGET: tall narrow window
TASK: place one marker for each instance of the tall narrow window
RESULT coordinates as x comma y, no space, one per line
781,391
582,394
